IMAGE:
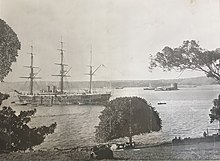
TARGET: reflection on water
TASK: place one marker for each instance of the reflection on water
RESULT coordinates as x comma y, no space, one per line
185,115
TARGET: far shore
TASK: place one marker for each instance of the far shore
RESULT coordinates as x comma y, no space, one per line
201,151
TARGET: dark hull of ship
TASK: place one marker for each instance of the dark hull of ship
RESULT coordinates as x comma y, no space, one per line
66,99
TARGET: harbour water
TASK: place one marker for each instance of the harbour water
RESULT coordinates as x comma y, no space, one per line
185,114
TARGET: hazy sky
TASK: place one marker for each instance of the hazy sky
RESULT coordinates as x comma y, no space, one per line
122,33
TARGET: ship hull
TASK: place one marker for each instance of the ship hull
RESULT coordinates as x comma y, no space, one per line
66,99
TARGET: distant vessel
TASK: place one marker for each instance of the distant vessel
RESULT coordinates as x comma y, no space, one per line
119,88
61,97
149,87
173,87
161,103
23,103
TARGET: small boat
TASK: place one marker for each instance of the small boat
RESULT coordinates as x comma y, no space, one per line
119,87
161,103
21,103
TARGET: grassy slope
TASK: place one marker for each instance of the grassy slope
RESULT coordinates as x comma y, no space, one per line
202,151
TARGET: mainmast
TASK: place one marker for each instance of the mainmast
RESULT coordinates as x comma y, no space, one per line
63,72
32,75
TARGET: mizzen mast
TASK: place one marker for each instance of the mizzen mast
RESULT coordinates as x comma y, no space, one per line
91,72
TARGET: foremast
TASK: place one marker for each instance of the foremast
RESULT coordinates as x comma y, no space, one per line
32,75
63,72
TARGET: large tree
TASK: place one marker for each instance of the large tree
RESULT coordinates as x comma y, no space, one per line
9,46
125,117
189,55
15,134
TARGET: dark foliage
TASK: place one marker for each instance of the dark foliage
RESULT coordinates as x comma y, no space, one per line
15,134
3,97
9,46
215,111
122,112
102,152
188,56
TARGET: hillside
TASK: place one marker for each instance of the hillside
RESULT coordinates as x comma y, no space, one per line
23,86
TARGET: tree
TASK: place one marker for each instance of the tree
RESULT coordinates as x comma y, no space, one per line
127,116
188,56
15,134
9,46
215,111
3,97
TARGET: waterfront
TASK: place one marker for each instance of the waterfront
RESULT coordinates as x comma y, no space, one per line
184,115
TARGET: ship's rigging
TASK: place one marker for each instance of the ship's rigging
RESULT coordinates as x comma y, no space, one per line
91,72
63,72
32,75
55,97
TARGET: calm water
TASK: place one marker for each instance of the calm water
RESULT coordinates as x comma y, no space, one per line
185,115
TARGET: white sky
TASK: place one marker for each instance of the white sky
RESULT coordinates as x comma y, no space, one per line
122,33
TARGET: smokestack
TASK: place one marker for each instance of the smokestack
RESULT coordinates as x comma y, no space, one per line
48,88
54,89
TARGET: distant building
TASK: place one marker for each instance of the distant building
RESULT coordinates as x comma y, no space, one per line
173,86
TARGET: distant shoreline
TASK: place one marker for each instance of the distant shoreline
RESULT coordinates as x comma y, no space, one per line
115,84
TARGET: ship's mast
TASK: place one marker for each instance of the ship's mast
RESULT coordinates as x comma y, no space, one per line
32,72
62,67
32,75
63,72
91,72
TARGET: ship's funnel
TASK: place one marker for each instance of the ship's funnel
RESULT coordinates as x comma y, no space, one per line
54,89
48,88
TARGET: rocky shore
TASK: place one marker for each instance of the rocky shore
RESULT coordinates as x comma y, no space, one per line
201,151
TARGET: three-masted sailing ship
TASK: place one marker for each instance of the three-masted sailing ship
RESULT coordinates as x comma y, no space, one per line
61,97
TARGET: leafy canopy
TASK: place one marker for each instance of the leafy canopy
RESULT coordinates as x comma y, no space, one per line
15,134
188,56
122,112
215,111
9,46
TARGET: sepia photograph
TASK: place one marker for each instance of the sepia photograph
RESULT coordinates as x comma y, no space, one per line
109,80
